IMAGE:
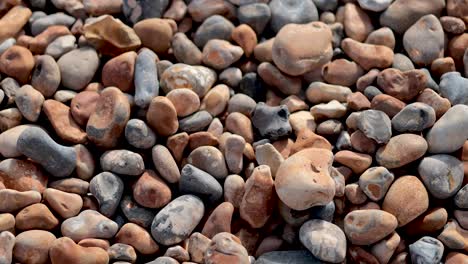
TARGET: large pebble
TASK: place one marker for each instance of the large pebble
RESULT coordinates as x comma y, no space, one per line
226,248
185,50
135,213
442,174
13,21
177,220
289,47
256,15
454,236
220,54
151,191
107,188
450,131
390,155
123,162
401,14
60,46
65,250
197,78
119,71
165,164
375,125
154,33
146,79
258,200
319,92
60,161
17,62
83,105
89,224
77,67
368,56
453,87
414,117
219,220
285,12
64,203
324,240
42,23
33,246
424,40
303,180
197,182
107,123
357,23
426,250
406,199
271,122
365,227
137,237
63,123
36,216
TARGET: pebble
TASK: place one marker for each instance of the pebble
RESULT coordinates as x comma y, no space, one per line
198,182
289,53
42,23
155,34
456,257
71,185
214,27
111,36
384,249
219,220
83,105
17,62
442,174
46,75
234,149
460,198
22,175
177,220
256,15
122,252
406,199
288,257
401,14
60,46
29,101
65,204
220,54
449,132
197,245
267,154
216,100
414,117
452,87
33,246
196,78
375,5
234,189
271,122
78,67
319,92
162,111
375,182
253,86
119,71
136,213
226,248
137,237
89,224
7,43
7,222
356,22
195,122
231,76
139,134
258,200
62,122
342,72
64,249
424,40
60,161
390,155
357,162
185,50
7,240
453,236
122,162
368,56
150,191
426,250
107,188
145,80
275,78
35,216
383,36
324,240
365,227
185,101
293,182
375,125
13,21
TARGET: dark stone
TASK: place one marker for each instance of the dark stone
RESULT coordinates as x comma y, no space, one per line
252,85
272,122
195,122
197,182
214,27
256,15
324,212
135,213
136,10
107,188
288,257
376,125
146,78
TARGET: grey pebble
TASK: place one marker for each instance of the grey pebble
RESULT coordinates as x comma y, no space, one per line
89,224
291,11
326,5
454,87
60,46
176,221
231,77
288,257
272,122
402,62
371,91
162,66
450,132
209,159
461,199
426,250
375,182
78,67
241,103
465,62
214,27
431,83
139,134
29,101
195,122
135,213
46,75
7,243
146,78
121,252
10,86
344,141
56,19
40,4
136,10
414,117
60,161
376,125
107,188
253,86
185,50
122,161
256,15
323,212
197,182
7,43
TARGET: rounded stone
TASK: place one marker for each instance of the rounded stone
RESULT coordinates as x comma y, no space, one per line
122,252
452,87
219,220
29,101
234,188
65,250
119,71
375,181
17,62
62,122
390,155
406,199
46,75
365,227
375,5
442,174
303,180
426,250
165,163
226,248
290,54
123,162
461,198
7,242
22,175
220,54
139,134
145,79
375,125
33,246
368,56
196,78
285,12
256,15
137,237
214,27
89,224
209,159
176,221
216,100
414,117
356,22
402,85
107,188
185,101
151,191
185,50
83,105
162,116
324,240
154,33
198,182
77,67
450,132
65,204
271,122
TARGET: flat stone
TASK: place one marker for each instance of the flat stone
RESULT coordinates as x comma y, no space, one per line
197,182
107,188
89,224
390,155
65,249
426,249
365,227
449,132
123,162
77,67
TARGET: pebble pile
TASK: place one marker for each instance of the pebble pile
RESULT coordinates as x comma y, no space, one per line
233,131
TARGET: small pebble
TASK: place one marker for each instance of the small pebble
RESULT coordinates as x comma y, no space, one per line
197,182
414,117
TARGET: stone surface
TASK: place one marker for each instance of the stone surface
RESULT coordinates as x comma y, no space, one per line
107,188
426,249
414,117
197,182
375,182
65,249
226,248
89,224
285,12
365,227
77,67
449,132
375,125
197,78
33,246
271,122
390,155
122,161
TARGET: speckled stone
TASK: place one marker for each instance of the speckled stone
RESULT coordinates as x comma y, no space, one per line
197,182
107,188
375,182
426,250
449,132
414,117
376,125
89,224
390,155
365,227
